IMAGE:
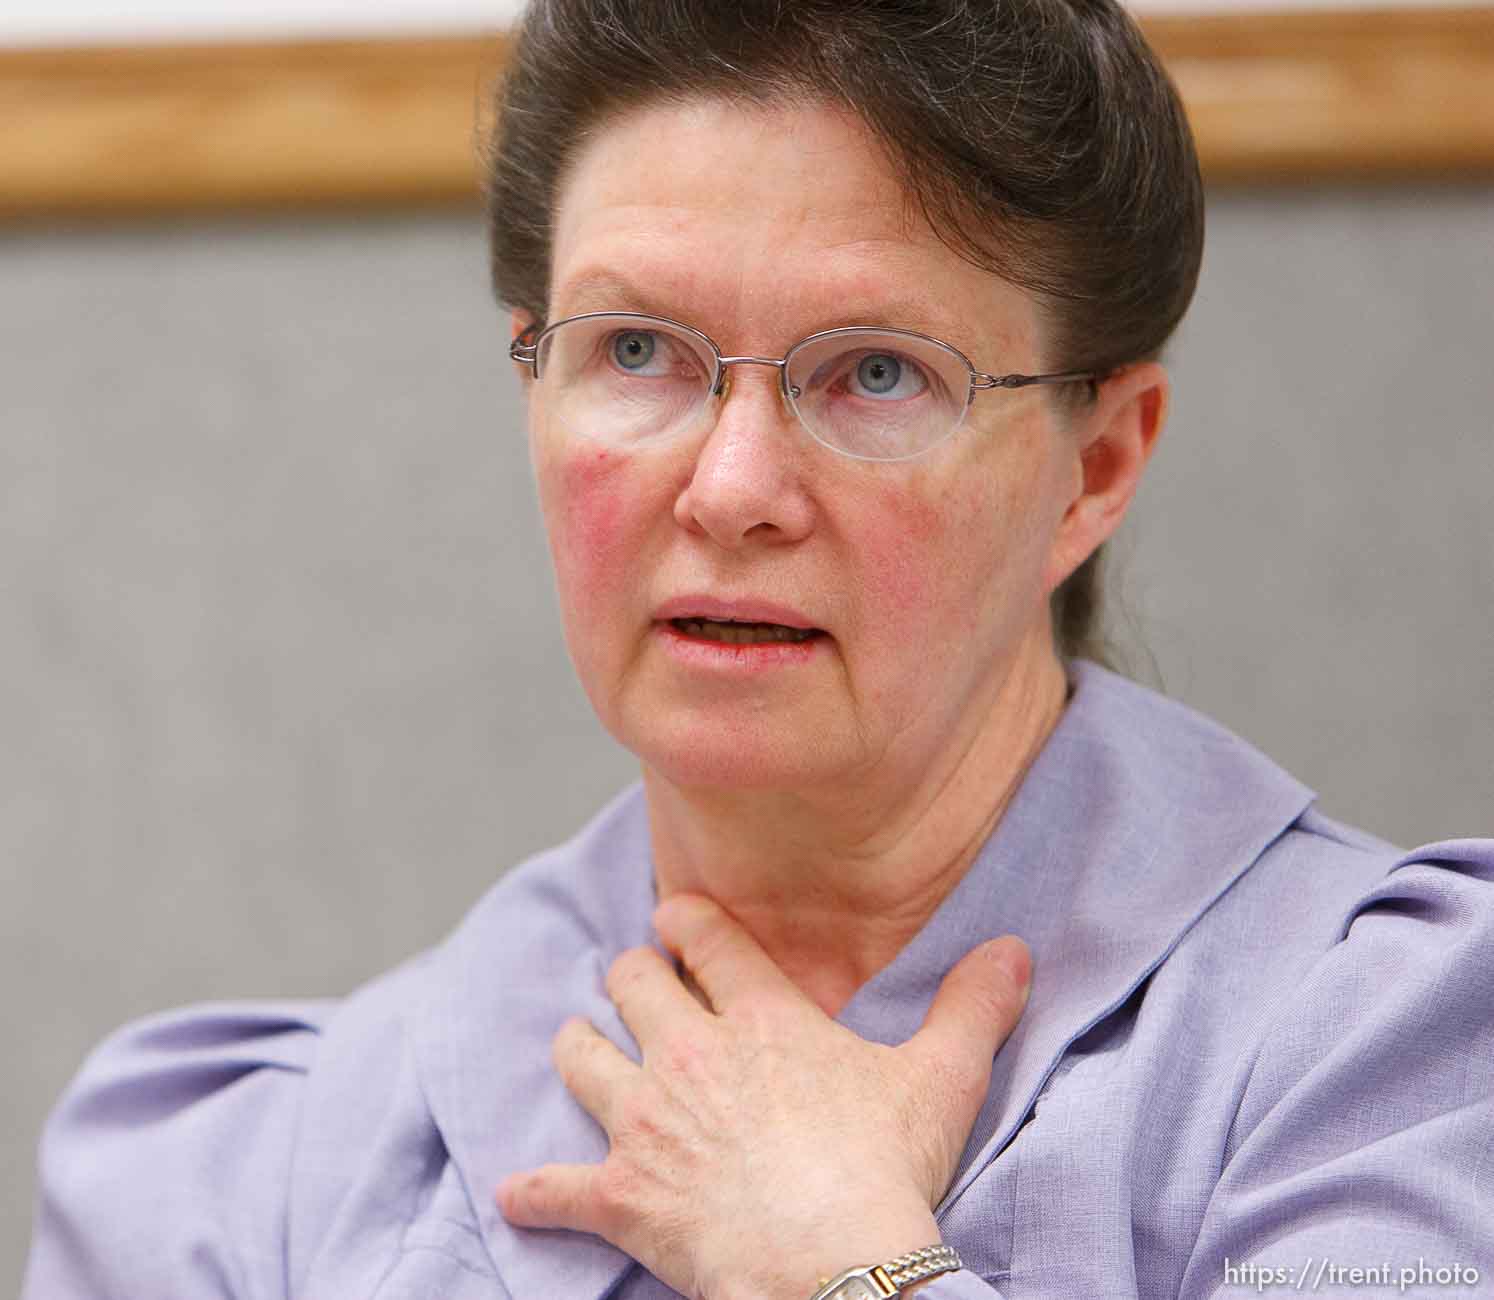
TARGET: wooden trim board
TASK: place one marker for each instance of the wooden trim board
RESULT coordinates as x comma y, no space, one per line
1333,96
1278,97
159,129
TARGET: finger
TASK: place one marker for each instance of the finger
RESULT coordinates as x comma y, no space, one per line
726,961
552,1196
976,1008
594,1070
649,996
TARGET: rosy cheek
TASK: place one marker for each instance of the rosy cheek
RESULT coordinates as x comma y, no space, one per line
892,556
900,551
589,526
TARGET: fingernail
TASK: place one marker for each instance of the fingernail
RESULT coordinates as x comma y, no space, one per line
1017,961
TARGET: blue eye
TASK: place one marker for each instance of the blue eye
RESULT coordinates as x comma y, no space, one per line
879,374
633,349
888,375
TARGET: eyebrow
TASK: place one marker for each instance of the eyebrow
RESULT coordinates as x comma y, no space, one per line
612,291
603,289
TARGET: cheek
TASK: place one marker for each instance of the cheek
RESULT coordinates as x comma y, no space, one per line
926,556
585,494
904,535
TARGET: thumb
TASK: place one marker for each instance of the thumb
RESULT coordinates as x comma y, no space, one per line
977,1006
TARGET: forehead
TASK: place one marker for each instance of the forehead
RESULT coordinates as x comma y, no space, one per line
782,220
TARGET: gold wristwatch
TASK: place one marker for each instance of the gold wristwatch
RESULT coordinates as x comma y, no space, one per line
882,1281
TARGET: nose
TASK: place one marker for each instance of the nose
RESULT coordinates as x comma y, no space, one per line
748,483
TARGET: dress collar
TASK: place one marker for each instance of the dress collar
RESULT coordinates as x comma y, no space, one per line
1137,814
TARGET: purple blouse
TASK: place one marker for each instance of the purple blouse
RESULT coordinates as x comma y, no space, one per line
1258,1053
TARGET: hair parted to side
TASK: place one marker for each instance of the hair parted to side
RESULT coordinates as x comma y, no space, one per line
1041,139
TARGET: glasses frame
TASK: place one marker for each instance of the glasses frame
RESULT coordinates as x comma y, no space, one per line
526,346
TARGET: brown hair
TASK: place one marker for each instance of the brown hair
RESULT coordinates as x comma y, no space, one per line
1041,139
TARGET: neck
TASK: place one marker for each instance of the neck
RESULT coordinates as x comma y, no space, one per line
833,882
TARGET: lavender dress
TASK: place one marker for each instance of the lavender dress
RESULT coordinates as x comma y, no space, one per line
1259,1045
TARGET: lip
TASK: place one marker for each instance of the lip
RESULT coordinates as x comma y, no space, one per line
745,609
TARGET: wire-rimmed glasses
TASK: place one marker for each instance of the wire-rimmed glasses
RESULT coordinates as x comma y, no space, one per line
870,392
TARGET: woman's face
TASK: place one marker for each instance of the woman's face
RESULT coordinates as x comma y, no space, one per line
928,579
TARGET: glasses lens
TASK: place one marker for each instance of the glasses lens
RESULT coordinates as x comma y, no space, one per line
623,379
878,394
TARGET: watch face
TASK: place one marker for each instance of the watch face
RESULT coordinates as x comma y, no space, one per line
856,1288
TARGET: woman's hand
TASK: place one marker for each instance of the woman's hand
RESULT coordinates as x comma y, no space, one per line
762,1146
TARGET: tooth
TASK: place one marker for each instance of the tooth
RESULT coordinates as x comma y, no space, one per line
727,632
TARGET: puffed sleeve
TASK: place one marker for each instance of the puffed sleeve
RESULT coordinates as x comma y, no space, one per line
164,1167
1364,1135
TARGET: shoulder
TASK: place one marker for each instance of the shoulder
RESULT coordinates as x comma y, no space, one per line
221,1150
1337,991
1336,943
1364,1082
208,1151
1360,1105
1332,893
1317,1043
1297,884
164,1116
1395,979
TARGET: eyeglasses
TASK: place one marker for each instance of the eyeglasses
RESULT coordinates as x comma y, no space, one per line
866,392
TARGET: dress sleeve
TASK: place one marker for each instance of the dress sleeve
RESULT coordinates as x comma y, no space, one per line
164,1168
1364,1136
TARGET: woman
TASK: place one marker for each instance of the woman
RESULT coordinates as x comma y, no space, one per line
839,324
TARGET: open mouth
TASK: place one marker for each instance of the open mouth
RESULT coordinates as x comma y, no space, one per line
730,633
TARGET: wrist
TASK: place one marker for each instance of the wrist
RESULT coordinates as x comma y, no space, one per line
899,1276
858,1240
869,1244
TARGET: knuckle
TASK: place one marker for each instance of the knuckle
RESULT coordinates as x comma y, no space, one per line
953,1082
619,1190
684,1055
762,1021
536,1194
934,1122
636,1119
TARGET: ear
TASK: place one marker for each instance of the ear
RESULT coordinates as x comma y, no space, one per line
1114,439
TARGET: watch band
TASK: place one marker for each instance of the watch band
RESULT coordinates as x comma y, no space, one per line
882,1281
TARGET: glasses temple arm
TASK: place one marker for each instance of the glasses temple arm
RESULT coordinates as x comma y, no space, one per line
982,381
524,347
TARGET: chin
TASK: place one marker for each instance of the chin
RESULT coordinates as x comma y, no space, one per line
717,755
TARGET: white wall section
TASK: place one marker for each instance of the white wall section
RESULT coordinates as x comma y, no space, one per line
89,22
106,22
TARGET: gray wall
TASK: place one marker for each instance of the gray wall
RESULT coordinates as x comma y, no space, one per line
281,683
